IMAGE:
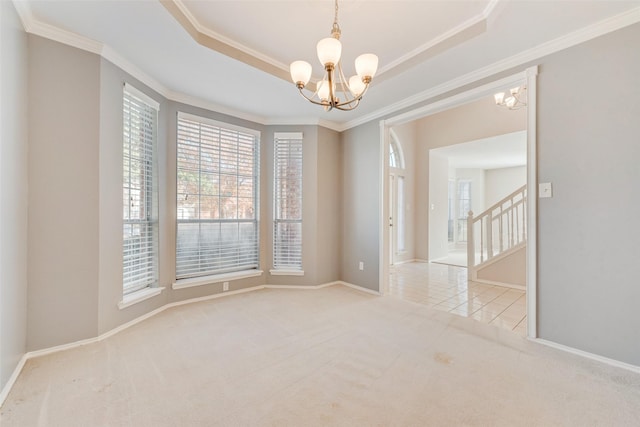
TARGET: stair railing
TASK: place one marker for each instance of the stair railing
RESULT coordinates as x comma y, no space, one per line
496,230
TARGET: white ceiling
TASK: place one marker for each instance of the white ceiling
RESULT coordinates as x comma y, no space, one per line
497,152
421,44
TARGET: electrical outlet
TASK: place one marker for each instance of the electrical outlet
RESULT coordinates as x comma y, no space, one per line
361,266
225,286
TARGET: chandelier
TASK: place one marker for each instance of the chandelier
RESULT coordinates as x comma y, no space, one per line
334,90
514,101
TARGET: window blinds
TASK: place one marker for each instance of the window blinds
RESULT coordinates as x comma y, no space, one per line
140,226
287,227
217,192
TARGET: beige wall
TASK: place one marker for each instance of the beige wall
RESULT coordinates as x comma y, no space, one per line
361,205
13,193
588,147
499,183
329,251
511,270
438,210
63,245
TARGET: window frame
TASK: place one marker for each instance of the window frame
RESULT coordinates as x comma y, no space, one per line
279,267
205,276
131,95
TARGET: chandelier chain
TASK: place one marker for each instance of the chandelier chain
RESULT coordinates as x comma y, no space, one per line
335,30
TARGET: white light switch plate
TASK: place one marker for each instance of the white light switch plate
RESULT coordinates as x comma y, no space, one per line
545,190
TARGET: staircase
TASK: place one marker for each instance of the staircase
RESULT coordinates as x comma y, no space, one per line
497,241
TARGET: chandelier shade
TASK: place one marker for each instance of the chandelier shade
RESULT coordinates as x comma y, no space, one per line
301,72
366,65
329,51
334,90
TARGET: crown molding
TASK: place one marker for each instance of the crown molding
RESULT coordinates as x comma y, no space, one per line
33,26
218,43
305,121
598,29
226,40
211,39
468,25
36,27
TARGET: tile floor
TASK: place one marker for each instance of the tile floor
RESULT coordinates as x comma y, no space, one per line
445,287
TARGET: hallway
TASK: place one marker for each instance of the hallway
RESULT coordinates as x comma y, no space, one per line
445,287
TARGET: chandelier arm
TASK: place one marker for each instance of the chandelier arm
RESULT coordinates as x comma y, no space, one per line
343,106
355,99
345,86
332,95
310,99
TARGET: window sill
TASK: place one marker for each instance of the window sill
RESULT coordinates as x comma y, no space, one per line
138,296
217,278
286,272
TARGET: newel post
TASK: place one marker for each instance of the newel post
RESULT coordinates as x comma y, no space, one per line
471,251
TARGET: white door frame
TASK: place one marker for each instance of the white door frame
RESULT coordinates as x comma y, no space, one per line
528,78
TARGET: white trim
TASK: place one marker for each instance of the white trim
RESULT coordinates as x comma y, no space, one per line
143,96
383,207
286,272
219,37
302,121
501,284
139,296
441,38
360,288
502,255
216,123
214,296
532,203
587,355
215,278
406,261
288,135
12,379
600,28
456,100
303,287
33,26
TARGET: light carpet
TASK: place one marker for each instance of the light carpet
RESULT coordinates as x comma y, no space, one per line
328,357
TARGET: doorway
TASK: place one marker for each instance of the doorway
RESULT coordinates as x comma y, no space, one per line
527,78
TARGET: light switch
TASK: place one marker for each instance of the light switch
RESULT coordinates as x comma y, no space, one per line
545,190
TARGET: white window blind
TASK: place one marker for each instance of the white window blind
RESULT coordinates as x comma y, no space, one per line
140,219
217,229
287,224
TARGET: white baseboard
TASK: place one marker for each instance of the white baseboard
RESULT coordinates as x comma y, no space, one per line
587,355
310,287
12,379
359,288
504,285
